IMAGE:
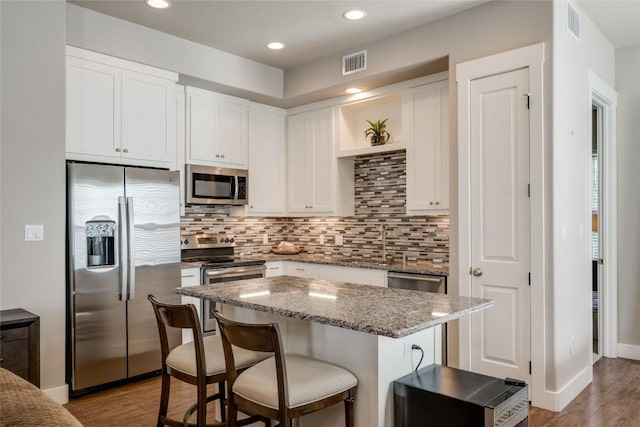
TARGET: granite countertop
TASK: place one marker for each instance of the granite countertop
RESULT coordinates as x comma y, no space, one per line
419,267
376,310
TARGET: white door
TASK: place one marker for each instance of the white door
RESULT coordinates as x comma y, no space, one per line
322,180
500,224
233,134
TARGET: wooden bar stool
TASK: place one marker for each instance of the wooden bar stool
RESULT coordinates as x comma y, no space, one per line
199,362
282,387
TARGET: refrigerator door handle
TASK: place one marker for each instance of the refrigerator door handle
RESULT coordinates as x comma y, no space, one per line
132,249
124,261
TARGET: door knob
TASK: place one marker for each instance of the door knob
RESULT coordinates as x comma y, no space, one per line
476,272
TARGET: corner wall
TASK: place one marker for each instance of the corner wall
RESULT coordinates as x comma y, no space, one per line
32,172
569,298
628,88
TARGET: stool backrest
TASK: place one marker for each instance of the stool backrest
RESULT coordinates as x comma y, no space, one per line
256,337
184,316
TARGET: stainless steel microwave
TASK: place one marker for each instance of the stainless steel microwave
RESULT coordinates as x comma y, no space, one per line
207,185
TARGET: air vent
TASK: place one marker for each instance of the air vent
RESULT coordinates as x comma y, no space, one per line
573,21
354,63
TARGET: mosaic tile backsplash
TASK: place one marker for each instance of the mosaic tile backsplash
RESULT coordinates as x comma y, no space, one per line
379,226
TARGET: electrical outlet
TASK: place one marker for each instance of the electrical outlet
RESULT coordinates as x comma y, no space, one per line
265,239
33,233
321,239
572,341
339,240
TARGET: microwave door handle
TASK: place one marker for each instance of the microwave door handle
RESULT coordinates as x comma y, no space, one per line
123,253
236,189
132,249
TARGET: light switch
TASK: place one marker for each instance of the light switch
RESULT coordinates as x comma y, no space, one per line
33,233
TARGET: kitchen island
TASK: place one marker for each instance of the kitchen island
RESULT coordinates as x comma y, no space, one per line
368,330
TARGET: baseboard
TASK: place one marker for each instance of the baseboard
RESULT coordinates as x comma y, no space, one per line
59,394
628,351
557,400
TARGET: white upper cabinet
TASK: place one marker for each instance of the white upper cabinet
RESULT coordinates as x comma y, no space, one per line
317,182
119,111
426,132
217,129
267,161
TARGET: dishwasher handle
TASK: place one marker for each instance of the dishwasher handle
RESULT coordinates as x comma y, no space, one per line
419,278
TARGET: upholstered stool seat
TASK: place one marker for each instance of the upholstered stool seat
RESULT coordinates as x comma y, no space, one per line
309,380
183,357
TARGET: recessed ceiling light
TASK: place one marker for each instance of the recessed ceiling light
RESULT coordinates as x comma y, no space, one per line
353,90
354,15
275,45
158,4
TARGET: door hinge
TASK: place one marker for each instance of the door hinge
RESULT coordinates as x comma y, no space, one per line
529,367
529,190
529,278
528,95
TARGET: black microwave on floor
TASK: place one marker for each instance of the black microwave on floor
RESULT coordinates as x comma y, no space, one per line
441,396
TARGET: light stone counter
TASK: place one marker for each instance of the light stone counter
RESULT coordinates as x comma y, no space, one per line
366,329
388,312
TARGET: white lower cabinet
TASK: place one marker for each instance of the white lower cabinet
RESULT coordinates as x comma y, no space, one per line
274,268
336,273
301,269
190,277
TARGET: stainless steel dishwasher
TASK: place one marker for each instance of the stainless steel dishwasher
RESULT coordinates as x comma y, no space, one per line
425,283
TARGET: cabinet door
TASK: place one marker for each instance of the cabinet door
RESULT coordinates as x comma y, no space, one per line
322,162
233,134
427,132
148,118
266,162
299,141
274,269
202,116
93,109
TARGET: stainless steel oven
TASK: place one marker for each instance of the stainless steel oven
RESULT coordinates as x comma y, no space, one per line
219,274
214,254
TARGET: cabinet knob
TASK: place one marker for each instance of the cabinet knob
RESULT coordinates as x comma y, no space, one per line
437,203
431,203
126,150
117,150
251,206
217,155
222,155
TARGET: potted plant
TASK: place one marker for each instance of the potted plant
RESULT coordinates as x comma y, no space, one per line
377,131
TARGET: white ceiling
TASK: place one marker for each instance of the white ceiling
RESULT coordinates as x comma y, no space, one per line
310,29
619,20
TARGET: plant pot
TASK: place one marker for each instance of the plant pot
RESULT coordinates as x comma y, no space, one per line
378,140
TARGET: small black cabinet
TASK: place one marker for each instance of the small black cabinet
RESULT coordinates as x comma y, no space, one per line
20,344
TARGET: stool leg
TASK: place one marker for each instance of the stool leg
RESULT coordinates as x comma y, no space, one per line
164,398
222,394
232,413
349,416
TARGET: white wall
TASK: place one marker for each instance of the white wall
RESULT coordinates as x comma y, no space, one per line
570,296
33,173
101,33
628,88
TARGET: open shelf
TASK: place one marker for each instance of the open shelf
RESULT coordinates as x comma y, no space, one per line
353,122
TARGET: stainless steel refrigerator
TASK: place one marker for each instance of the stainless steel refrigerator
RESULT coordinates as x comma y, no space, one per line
123,244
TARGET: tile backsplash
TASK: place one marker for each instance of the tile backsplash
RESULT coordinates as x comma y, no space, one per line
380,189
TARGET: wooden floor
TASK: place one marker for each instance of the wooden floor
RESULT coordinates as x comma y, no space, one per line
612,400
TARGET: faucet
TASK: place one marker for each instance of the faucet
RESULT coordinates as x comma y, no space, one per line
383,237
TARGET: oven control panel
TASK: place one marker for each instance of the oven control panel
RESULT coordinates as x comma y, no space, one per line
206,241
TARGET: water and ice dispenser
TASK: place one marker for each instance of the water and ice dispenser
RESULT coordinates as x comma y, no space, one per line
100,243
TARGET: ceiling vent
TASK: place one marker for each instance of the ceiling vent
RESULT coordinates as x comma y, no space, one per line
354,63
573,20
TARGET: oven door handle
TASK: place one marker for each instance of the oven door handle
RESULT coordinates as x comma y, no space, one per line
234,272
